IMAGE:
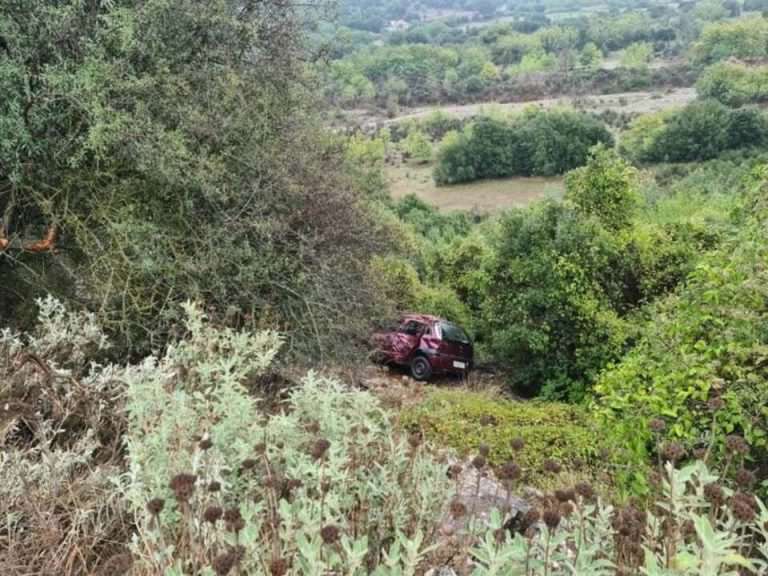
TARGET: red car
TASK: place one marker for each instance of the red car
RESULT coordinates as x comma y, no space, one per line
427,345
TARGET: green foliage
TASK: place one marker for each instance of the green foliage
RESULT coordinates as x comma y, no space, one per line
605,188
549,313
701,536
700,131
590,55
637,55
382,496
742,38
535,143
417,146
400,283
172,145
466,420
637,142
733,83
707,341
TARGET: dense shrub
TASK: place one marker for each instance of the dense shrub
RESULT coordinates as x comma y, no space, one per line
61,435
465,420
125,136
700,131
700,361
328,469
535,143
734,83
548,312
406,292
606,188
741,38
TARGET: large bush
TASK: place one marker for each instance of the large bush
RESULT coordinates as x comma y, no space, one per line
700,131
535,143
211,475
169,149
700,363
733,83
465,421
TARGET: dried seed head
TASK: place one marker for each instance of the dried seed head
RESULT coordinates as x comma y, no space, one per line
260,448
458,509
234,520
214,486
585,490
478,462
224,562
510,471
212,514
699,453
715,404
518,444
552,466
330,533
744,507
530,519
484,450
454,471
552,518
155,506
565,495
487,420
672,452
319,448
737,444
414,440
745,478
714,494
278,567
205,444
566,509
248,464
657,425
183,486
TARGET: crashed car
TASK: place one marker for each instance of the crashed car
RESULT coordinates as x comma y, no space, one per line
427,345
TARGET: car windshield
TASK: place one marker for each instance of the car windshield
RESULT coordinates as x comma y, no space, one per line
453,333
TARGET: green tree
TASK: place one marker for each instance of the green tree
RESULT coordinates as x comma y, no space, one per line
417,146
171,144
590,55
605,188
637,55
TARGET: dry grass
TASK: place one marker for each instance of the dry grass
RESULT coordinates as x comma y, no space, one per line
483,196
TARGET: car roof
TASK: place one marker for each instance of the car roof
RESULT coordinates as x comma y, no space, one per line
425,318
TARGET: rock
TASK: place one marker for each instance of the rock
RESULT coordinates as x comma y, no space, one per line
441,571
481,499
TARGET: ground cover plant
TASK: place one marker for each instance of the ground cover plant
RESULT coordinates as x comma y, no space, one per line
210,484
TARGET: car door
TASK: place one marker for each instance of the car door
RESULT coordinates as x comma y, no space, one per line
406,340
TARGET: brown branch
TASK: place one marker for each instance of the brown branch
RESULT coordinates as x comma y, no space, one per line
47,244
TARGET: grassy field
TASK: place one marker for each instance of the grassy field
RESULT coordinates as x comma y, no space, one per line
483,196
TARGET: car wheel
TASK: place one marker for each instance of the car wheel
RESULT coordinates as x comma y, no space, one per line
421,369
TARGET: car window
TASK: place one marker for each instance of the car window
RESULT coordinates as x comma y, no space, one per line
412,328
453,333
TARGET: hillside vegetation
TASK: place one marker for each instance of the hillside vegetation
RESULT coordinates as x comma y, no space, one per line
196,244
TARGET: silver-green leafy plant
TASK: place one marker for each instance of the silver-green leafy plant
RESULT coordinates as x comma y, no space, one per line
324,485
696,527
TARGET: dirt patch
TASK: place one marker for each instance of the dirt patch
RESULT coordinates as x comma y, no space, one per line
484,196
